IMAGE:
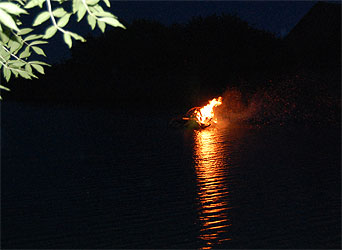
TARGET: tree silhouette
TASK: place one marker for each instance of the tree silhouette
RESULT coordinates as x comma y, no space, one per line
150,64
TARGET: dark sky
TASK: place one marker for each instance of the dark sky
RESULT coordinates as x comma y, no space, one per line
278,17
275,16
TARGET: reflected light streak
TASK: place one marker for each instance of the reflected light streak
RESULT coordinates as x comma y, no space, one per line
211,170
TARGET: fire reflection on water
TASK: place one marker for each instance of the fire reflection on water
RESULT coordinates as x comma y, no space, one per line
211,171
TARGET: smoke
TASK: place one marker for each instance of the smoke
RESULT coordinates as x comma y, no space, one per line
237,108
293,100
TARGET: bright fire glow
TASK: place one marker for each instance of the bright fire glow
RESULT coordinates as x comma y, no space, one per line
206,114
211,165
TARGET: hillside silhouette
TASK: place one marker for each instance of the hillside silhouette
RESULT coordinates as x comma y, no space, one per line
157,66
315,42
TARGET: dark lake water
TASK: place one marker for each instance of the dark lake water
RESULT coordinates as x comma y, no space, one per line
94,178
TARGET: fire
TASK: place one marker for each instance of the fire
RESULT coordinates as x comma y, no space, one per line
197,117
206,114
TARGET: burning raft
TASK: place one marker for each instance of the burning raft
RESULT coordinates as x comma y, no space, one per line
198,117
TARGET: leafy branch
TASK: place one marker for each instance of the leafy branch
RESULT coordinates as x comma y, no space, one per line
17,43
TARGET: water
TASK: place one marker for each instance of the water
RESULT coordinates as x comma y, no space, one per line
94,178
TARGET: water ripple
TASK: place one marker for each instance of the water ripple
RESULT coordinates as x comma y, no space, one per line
212,168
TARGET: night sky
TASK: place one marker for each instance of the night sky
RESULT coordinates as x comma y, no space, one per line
277,17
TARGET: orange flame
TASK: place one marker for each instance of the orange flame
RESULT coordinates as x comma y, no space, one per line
206,114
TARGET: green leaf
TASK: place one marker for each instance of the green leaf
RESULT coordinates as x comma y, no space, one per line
112,21
96,8
17,64
107,3
38,42
16,38
21,2
39,68
7,20
26,53
3,87
59,12
6,56
63,21
104,14
91,21
41,2
24,74
5,36
41,63
67,39
77,37
3,51
81,12
15,73
32,3
32,37
14,45
92,2
50,32
99,11
101,25
7,74
38,50
12,8
75,5
24,31
41,18
28,68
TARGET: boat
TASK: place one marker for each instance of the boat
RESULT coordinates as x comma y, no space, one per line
189,121
197,117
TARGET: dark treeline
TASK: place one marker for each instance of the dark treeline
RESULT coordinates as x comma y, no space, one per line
154,65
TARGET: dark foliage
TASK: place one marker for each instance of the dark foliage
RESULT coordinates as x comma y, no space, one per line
152,65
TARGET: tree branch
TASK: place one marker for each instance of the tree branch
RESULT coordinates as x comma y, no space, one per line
13,54
48,4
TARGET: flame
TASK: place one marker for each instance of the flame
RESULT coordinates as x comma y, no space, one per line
206,114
